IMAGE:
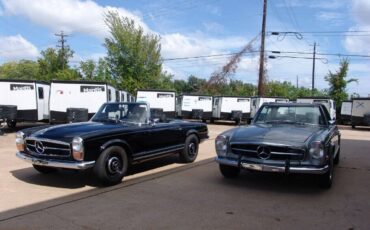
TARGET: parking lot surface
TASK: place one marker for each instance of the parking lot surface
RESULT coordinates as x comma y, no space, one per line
165,194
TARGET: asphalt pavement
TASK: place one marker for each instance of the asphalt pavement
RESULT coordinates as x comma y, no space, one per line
196,196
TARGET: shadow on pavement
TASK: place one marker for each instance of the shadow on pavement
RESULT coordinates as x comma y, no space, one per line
74,179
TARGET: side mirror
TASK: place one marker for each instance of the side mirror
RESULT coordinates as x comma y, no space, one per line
154,121
332,122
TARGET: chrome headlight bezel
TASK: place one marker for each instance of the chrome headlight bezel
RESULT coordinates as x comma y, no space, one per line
19,140
316,150
221,145
78,148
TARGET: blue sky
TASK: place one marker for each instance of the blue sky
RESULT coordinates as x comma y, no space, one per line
198,27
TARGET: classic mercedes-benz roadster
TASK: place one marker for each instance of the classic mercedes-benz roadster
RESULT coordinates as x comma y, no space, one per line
118,135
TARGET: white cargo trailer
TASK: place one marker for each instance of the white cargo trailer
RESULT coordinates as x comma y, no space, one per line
194,107
256,102
346,112
162,103
75,101
125,96
231,108
360,112
327,102
23,100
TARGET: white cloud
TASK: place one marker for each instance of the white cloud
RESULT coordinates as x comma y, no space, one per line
71,16
360,12
16,47
330,16
213,27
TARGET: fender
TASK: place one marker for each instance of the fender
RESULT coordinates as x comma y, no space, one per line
191,131
116,142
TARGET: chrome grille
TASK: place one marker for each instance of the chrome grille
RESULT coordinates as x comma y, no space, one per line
48,148
275,152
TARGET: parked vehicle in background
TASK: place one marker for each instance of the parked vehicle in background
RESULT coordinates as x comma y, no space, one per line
162,102
257,102
329,104
118,136
360,112
283,138
346,112
194,107
125,96
77,101
23,100
231,108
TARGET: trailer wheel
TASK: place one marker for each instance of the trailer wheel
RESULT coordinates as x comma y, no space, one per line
11,124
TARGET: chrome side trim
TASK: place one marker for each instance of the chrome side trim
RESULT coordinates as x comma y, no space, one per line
56,163
156,153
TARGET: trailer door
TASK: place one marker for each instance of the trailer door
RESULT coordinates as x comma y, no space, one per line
40,102
216,108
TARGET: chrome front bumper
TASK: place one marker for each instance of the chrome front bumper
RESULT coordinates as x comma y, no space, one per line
272,168
56,163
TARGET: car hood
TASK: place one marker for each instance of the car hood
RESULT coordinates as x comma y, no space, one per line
280,134
67,132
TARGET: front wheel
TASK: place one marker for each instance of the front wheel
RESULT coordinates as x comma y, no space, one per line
44,169
190,152
229,171
326,180
111,165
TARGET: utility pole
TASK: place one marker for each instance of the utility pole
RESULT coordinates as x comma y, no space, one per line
62,41
297,82
313,68
261,76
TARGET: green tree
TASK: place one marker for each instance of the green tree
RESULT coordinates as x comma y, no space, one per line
133,57
23,69
88,69
53,64
338,83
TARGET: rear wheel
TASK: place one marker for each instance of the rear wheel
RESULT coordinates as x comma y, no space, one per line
190,152
229,171
111,165
353,126
44,169
204,120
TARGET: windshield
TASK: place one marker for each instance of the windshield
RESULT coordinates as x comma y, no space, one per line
290,114
122,112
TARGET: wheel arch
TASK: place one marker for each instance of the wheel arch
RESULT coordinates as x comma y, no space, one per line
120,143
192,131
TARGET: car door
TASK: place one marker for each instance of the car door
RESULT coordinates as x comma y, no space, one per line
164,136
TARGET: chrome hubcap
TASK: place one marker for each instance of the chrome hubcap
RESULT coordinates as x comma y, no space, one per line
192,149
114,165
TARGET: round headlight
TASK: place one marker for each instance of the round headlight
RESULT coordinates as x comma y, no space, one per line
221,145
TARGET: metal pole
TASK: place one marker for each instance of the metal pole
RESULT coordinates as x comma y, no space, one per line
313,68
261,76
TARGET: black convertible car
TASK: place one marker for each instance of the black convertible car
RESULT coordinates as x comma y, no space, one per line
118,135
283,138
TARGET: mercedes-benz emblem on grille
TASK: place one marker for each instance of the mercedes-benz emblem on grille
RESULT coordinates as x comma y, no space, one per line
39,147
263,152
